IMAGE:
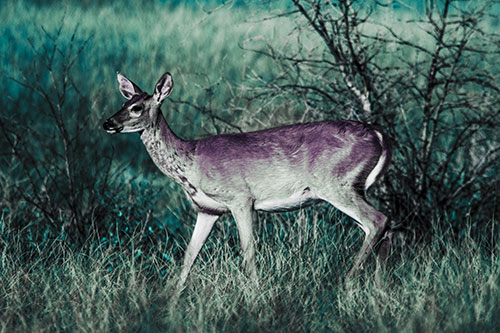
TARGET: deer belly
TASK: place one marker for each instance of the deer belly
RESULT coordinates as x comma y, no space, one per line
205,204
286,203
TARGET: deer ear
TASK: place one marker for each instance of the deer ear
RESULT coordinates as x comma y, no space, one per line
163,88
127,87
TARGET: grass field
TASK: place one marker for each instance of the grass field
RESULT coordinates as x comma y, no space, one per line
122,279
445,287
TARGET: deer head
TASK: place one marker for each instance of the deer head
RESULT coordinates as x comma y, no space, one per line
141,109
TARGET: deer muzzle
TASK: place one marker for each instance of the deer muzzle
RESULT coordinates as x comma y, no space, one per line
112,127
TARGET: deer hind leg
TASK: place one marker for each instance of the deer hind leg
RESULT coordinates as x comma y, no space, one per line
384,250
243,216
204,224
368,218
385,246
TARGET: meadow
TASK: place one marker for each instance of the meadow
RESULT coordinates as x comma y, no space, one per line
92,234
447,287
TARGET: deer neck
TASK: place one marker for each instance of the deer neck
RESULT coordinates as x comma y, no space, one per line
172,155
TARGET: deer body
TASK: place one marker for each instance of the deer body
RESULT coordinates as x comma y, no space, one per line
277,169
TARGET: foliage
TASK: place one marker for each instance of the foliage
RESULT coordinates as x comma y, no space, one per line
448,286
427,77
63,176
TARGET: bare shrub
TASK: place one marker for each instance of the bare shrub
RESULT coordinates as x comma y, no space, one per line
54,166
428,79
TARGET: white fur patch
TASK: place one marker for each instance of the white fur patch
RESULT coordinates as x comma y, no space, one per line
205,201
289,202
380,164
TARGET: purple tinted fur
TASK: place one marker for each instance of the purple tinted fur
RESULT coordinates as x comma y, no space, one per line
359,152
318,138
324,148
372,156
263,144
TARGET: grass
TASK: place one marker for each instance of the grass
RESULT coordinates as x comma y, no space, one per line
445,286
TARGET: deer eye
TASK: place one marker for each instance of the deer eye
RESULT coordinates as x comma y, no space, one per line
135,111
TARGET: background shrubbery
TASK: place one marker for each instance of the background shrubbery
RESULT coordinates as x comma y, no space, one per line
89,216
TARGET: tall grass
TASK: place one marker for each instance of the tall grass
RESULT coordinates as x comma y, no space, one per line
448,286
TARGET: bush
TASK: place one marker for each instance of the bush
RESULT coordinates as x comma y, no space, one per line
426,77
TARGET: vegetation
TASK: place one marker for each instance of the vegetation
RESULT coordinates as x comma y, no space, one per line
92,234
448,287
426,77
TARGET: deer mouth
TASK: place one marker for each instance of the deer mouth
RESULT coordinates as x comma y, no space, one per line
112,128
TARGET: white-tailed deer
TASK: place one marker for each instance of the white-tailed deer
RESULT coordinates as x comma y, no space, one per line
277,169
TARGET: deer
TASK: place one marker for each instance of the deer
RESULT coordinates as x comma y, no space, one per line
274,170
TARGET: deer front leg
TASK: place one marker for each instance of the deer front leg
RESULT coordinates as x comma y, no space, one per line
244,221
204,224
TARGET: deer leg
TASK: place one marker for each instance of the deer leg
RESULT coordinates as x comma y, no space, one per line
369,219
382,255
373,224
244,221
385,246
204,224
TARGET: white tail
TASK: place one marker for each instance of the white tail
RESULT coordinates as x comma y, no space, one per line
276,169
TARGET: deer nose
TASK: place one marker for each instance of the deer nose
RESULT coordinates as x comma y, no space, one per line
111,127
108,125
